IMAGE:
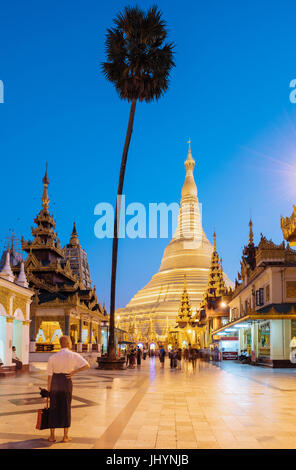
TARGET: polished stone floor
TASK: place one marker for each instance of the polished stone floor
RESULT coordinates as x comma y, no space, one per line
229,406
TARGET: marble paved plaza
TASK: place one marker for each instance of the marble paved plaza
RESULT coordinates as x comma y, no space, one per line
230,407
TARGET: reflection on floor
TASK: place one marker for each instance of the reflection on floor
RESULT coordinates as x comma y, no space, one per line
209,406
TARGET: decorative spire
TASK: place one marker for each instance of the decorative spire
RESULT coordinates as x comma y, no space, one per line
22,280
189,156
251,236
45,198
185,312
74,241
189,188
6,272
216,285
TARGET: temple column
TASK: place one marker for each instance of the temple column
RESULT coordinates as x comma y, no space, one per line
25,342
79,345
90,336
241,345
8,342
32,334
67,324
254,333
280,337
32,329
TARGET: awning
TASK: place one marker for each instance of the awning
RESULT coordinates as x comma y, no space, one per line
254,316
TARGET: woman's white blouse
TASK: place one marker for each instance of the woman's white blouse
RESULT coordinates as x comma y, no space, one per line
64,362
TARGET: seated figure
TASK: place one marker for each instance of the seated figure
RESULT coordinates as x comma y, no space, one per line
15,359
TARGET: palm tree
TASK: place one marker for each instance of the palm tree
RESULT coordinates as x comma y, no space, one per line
138,64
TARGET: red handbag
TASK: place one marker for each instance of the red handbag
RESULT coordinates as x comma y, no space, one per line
42,417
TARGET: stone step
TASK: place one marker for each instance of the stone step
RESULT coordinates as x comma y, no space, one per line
7,371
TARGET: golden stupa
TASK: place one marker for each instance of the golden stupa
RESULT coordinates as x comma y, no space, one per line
152,311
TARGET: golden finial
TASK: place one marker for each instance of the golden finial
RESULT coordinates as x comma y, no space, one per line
189,155
215,244
45,198
189,144
251,236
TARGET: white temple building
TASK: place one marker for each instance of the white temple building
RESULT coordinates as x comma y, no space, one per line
15,300
152,311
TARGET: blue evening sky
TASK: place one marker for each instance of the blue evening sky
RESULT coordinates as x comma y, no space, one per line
229,92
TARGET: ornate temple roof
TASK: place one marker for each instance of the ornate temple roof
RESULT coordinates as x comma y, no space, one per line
50,269
288,226
77,258
216,288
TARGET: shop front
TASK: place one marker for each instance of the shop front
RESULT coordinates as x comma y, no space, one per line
264,341
228,343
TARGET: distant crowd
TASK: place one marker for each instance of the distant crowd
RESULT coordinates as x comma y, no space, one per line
135,355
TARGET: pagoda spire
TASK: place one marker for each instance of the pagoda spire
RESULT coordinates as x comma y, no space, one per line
22,280
45,198
74,241
251,236
189,189
216,283
6,272
184,312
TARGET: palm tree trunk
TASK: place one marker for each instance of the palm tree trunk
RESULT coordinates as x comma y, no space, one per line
111,342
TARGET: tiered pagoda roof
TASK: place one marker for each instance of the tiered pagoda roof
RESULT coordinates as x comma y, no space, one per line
78,259
256,258
185,312
47,267
216,289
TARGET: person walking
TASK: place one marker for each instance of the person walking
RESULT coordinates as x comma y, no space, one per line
132,360
139,356
179,358
60,369
173,360
162,357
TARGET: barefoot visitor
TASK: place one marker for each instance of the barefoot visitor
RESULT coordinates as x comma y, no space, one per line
61,366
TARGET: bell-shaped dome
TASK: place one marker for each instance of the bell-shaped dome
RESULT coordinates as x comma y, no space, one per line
188,254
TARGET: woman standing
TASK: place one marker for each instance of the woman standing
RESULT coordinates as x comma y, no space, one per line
132,360
61,366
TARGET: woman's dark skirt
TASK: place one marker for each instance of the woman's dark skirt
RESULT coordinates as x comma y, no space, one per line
60,401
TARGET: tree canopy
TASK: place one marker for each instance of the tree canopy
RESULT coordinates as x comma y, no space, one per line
139,59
